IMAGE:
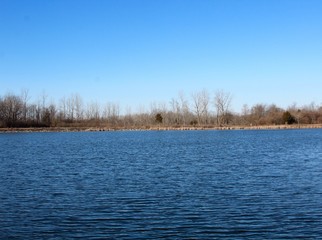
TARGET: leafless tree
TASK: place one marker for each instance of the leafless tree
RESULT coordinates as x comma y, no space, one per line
25,98
78,106
180,110
274,115
2,113
175,111
44,97
258,113
222,104
245,112
111,113
128,118
63,108
32,112
201,104
16,111
11,109
70,103
310,113
184,108
52,112
93,111
142,118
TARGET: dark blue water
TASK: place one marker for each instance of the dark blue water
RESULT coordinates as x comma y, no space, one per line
172,185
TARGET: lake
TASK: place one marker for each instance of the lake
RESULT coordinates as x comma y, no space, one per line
262,184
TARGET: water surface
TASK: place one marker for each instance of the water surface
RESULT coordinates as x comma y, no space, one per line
161,184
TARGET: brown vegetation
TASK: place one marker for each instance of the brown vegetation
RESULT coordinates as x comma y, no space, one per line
203,112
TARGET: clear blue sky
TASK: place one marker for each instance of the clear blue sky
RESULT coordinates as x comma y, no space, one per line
136,52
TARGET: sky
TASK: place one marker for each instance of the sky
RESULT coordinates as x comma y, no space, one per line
135,52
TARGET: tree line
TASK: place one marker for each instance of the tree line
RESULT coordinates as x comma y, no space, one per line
200,109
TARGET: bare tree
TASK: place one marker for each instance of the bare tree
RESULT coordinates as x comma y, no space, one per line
197,105
184,108
201,104
111,113
175,111
142,118
258,113
78,106
205,106
2,112
16,111
44,97
52,112
274,114
70,108
245,112
180,110
93,111
222,104
62,109
310,113
11,109
128,118
24,98
32,112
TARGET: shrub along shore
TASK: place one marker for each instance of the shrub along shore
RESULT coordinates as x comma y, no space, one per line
200,111
160,128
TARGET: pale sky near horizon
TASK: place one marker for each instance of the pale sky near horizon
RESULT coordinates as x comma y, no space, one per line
136,52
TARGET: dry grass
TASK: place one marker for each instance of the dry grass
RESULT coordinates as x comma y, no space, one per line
160,128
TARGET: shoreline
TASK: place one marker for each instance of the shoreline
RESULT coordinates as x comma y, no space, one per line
160,128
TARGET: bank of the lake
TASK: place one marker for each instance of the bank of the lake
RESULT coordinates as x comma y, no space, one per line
160,128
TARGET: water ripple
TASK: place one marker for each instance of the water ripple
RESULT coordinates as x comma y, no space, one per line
170,185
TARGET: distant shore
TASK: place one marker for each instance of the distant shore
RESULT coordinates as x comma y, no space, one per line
160,128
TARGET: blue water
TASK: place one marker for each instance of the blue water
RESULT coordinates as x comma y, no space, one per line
162,184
